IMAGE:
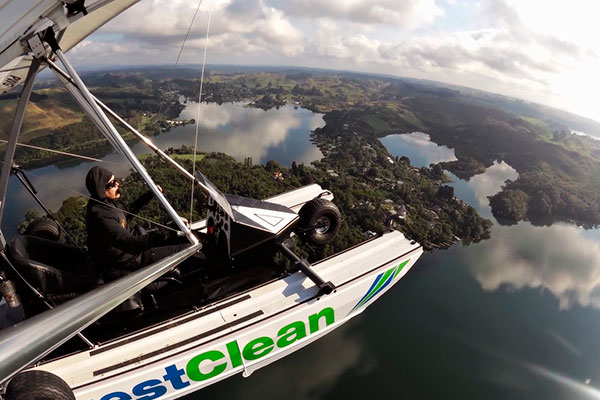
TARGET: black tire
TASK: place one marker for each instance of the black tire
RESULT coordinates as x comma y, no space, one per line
319,222
38,385
45,228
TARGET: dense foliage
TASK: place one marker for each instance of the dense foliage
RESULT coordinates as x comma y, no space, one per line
557,171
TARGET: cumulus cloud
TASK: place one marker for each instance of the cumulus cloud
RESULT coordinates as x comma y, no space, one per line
409,13
238,27
537,50
330,42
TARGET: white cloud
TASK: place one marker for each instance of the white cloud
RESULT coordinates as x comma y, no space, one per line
238,27
538,50
408,14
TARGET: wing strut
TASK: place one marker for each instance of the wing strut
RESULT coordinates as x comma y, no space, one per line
204,183
15,130
82,95
32,339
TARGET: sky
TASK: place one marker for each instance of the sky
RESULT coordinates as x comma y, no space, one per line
544,51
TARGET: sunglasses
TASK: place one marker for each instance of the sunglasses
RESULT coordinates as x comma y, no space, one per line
111,184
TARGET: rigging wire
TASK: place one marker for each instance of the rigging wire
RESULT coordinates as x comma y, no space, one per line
183,45
96,200
65,153
160,108
187,35
198,112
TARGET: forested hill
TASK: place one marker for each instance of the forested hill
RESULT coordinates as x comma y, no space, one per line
559,175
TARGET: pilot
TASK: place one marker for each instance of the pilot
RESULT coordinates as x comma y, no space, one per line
113,244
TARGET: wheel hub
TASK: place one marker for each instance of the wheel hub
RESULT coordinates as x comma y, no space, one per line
323,225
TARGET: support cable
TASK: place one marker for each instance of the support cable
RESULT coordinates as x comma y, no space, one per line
198,112
187,35
111,132
64,153
98,201
22,177
182,46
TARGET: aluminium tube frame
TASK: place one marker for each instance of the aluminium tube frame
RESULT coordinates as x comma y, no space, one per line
68,82
9,153
66,78
108,129
28,341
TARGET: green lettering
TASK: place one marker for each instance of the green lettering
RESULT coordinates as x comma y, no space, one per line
193,366
258,348
290,333
234,354
313,320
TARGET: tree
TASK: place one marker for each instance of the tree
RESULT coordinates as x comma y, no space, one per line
445,192
272,166
510,204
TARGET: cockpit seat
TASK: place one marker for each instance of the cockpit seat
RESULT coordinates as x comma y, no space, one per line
58,271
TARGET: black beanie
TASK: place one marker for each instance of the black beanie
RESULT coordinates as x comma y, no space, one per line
96,181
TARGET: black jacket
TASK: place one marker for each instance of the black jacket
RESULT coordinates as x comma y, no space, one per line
110,239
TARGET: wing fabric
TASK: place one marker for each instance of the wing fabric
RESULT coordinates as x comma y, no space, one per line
18,17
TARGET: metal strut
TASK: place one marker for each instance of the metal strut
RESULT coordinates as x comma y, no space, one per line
67,81
88,103
305,267
30,340
15,130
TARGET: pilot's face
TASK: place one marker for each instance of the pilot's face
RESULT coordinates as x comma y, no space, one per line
112,189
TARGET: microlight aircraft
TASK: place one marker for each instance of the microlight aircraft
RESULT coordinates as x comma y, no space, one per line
88,344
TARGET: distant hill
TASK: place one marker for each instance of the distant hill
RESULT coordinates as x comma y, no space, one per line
48,109
547,114
558,171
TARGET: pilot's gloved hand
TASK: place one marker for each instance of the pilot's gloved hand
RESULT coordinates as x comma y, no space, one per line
159,237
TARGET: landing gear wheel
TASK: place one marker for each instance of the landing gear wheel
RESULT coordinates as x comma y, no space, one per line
38,385
320,221
45,228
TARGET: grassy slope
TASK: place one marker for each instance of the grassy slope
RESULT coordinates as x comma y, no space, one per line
526,140
41,117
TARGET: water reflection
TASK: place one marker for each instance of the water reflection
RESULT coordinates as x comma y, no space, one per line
307,374
562,258
418,148
559,259
476,190
241,132
282,135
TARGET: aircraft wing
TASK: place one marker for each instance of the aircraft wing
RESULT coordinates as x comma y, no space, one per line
19,19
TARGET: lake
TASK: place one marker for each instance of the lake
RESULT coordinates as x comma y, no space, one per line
418,148
513,317
278,134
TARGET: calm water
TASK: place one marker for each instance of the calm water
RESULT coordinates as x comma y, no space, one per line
282,135
513,317
418,148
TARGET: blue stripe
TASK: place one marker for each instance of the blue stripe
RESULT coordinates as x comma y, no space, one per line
391,278
368,291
